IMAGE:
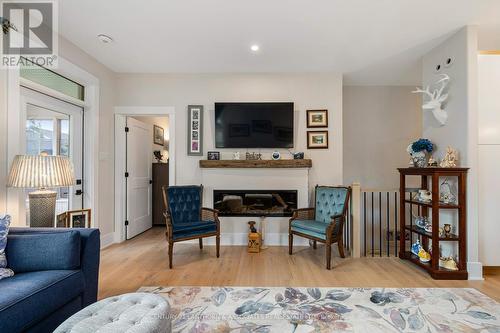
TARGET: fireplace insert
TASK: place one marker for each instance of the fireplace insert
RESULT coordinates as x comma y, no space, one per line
255,202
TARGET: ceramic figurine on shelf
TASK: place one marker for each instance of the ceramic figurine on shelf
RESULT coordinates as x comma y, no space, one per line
432,162
416,247
447,230
424,255
441,232
446,194
424,196
448,263
236,156
421,221
450,160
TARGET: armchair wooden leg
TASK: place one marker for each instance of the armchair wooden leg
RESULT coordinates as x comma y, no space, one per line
290,243
201,243
315,245
328,255
170,253
341,248
217,246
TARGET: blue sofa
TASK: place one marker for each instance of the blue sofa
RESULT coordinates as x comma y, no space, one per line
56,274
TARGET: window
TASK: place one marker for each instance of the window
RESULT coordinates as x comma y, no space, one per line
52,80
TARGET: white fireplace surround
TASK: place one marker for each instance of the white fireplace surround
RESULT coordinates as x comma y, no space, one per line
234,230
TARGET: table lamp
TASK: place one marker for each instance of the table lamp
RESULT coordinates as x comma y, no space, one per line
41,172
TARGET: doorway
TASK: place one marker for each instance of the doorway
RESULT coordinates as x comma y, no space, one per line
144,161
53,127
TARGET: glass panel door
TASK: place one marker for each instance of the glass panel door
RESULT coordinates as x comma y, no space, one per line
54,127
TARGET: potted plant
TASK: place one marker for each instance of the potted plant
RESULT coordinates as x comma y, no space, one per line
418,151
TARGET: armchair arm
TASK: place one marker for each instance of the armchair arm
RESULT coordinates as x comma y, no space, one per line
209,214
168,224
303,214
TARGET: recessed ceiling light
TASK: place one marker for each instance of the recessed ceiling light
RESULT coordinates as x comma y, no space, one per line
254,47
104,38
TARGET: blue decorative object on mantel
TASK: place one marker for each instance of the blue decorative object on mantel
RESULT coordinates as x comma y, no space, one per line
418,151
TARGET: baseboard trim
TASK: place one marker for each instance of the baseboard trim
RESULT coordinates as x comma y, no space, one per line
475,270
241,239
107,240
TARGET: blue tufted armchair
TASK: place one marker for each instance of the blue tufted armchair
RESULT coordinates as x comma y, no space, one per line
186,219
323,223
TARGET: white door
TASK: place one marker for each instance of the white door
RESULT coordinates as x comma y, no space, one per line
138,181
54,127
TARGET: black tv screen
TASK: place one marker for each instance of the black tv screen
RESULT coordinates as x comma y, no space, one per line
254,125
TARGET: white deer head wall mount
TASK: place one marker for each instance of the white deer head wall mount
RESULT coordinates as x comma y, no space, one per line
437,98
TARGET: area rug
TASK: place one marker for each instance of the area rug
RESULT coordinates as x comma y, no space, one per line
297,310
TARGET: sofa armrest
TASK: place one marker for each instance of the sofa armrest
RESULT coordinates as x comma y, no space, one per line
89,255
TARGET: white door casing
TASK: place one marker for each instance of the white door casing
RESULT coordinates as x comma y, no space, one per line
138,166
35,105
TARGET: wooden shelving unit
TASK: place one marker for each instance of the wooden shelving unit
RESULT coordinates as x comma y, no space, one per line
432,175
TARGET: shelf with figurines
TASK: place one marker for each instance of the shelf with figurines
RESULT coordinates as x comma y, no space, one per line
421,209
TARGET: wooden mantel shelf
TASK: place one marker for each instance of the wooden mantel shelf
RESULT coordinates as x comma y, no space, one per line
305,163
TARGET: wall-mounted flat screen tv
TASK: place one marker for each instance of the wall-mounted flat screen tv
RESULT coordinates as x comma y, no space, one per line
254,125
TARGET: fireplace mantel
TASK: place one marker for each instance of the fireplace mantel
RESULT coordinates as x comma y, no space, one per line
212,164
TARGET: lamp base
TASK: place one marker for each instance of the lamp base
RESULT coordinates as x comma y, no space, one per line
42,208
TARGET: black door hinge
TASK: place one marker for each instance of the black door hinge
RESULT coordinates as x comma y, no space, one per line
126,222
126,129
126,174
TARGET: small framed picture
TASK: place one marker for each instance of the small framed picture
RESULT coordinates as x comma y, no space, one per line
317,139
213,155
195,130
317,118
62,220
158,135
79,218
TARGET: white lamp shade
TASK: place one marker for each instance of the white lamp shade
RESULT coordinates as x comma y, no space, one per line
39,171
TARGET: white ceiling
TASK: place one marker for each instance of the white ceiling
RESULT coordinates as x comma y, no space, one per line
372,42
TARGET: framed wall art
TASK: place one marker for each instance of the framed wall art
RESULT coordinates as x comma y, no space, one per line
317,118
158,135
79,218
317,139
195,130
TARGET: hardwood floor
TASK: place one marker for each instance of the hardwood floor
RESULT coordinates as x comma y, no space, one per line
143,261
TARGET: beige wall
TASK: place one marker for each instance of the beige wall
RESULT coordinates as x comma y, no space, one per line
379,123
3,141
307,91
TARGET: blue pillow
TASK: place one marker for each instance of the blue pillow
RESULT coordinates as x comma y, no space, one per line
44,251
4,230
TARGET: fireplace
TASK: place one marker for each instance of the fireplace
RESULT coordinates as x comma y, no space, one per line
255,202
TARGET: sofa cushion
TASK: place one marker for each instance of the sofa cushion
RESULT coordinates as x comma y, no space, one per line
44,251
182,230
27,298
307,226
4,230
184,203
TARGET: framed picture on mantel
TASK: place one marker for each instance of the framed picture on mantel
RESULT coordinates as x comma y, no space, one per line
195,130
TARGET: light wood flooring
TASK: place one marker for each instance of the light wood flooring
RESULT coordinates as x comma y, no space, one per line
143,261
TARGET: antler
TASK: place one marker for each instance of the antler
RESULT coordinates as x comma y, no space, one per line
426,91
444,81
